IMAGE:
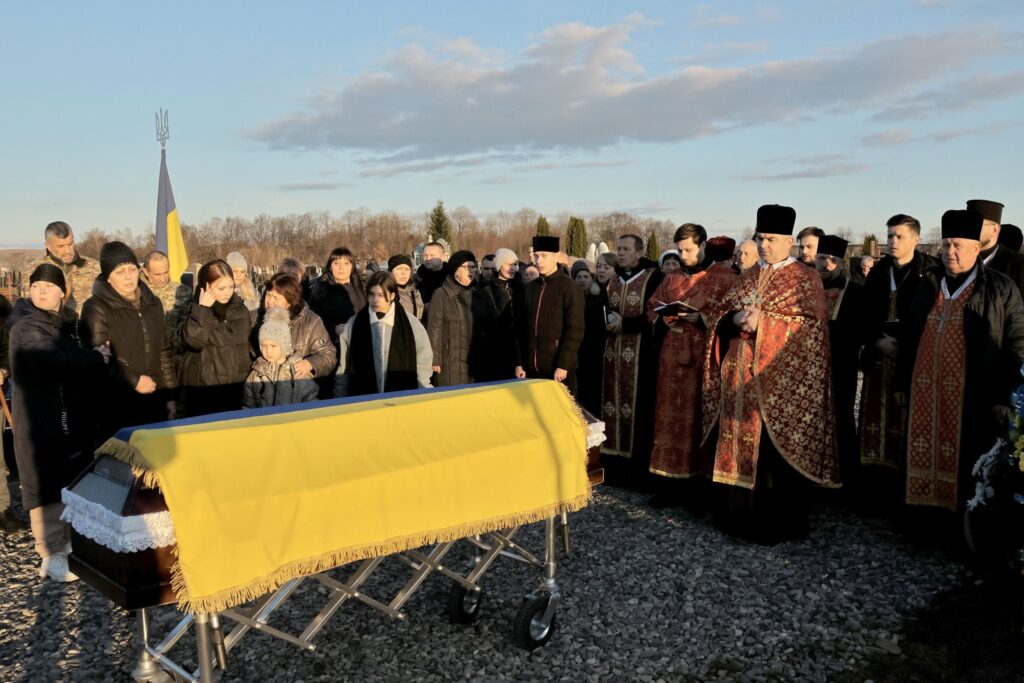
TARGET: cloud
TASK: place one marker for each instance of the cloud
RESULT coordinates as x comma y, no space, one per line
968,93
579,88
559,165
310,187
818,166
901,136
716,21
947,134
888,138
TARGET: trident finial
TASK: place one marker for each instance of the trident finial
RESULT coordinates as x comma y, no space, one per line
163,128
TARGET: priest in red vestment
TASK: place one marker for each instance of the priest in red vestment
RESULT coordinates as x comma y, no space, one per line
959,355
682,330
630,366
767,392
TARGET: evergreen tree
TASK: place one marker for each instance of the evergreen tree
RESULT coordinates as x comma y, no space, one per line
576,237
653,248
870,242
440,226
543,229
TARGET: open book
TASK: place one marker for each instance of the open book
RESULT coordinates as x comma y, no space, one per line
674,308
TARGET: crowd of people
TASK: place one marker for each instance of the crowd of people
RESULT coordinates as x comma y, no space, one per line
730,377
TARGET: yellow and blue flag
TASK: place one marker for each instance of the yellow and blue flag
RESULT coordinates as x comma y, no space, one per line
168,228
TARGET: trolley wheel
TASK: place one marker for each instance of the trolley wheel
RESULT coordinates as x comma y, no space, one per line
463,604
529,628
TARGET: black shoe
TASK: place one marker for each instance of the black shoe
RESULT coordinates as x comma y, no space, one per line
10,524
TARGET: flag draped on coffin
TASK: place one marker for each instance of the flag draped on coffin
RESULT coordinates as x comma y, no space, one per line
168,227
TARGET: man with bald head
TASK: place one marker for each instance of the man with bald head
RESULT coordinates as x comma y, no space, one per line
960,352
79,271
156,273
746,255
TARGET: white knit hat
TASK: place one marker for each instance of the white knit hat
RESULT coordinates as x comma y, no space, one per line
503,256
276,328
236,260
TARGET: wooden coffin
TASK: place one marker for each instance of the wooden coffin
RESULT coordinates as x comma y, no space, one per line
121,535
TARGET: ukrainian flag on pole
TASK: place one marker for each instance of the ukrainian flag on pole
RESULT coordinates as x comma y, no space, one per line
168,227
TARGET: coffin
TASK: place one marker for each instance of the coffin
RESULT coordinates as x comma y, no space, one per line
595,437
122,538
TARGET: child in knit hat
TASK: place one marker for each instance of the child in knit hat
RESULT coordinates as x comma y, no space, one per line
272,380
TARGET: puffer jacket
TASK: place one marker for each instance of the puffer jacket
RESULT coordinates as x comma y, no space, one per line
215,358
139,345
137,336
269,384
312,342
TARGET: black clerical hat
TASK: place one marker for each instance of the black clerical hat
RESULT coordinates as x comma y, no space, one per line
989,210
545,243
961,224
833,245
775,219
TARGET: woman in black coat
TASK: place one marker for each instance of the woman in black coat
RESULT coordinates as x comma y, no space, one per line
213,338
338,294
591,353
127,316
450,322
51,373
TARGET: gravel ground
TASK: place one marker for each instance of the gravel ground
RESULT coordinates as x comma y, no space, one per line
648,595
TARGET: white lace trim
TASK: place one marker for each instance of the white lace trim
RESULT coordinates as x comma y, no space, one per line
595,434
120,534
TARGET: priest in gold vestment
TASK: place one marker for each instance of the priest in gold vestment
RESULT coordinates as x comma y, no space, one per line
767,390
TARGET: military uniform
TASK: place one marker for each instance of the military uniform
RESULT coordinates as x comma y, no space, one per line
80,274
173,296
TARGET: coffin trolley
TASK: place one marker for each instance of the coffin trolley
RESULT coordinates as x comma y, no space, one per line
125,543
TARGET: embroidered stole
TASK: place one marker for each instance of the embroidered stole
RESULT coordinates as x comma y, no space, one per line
621,366
936,404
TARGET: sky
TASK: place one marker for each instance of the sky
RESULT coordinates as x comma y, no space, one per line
692,112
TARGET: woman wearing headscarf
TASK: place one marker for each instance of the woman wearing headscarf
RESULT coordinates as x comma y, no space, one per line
213,337
670,262
450,321
311,341
244,287
50,435
400,267
124,313
338,294
382,348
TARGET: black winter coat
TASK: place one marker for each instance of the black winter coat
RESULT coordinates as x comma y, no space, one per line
215,358
590,368
1008,262
994,336
494,351
551,326
429,281
139,346
51,374
335,303
875,298
450,328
